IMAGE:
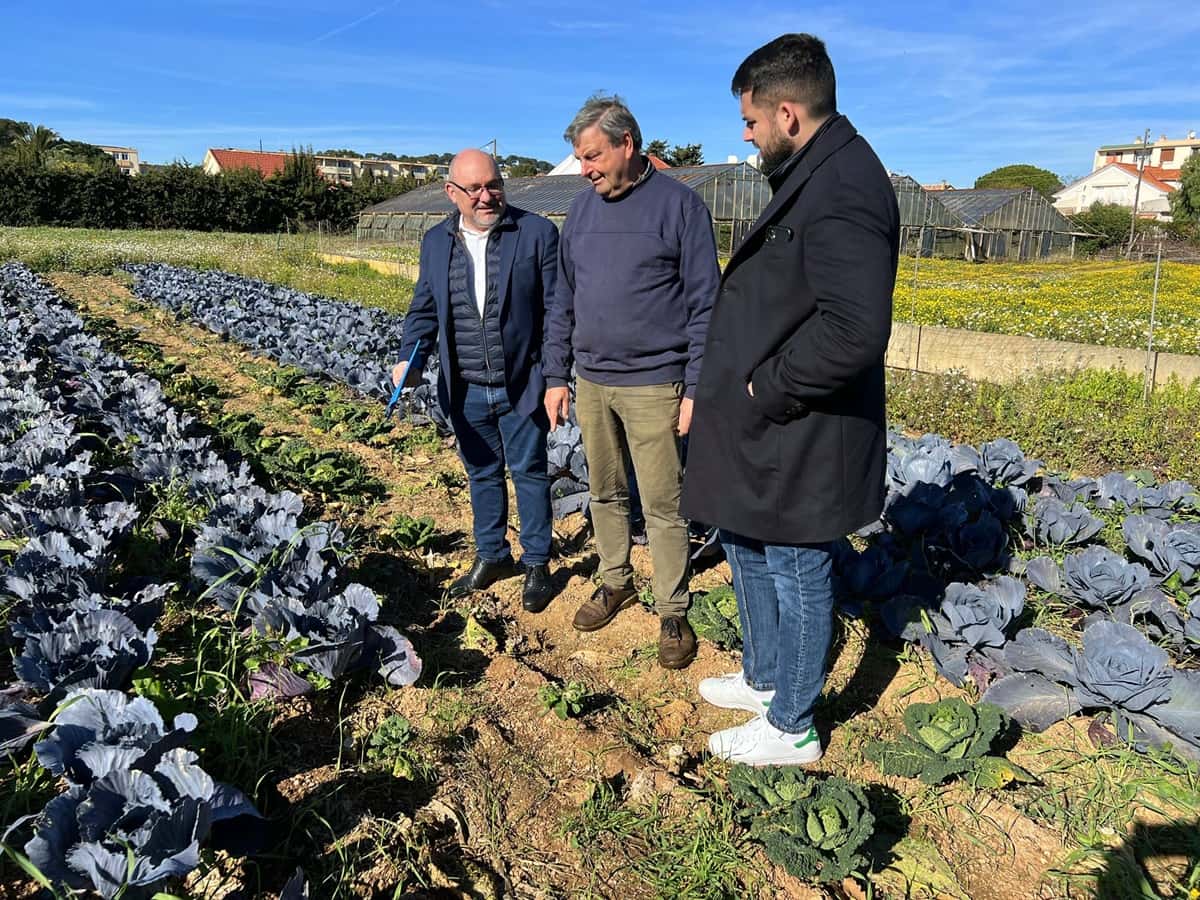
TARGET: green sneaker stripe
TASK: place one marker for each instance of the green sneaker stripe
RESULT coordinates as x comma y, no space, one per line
766,703
808,739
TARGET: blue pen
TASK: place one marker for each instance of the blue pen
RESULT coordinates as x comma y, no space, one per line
400,387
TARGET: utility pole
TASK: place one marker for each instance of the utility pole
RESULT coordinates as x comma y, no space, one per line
1142,155
496,147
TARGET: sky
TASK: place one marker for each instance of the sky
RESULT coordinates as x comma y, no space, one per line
941,91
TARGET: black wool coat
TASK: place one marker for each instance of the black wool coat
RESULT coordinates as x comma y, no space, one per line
804,313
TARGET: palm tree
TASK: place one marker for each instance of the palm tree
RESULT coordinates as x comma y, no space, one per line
33,144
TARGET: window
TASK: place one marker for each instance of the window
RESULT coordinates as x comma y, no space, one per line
1168,155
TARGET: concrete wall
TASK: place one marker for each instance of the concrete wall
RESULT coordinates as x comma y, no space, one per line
1004,358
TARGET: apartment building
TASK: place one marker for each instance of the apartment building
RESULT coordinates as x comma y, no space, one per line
1165,154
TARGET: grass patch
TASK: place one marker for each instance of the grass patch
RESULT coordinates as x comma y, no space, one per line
697,853
1085,423
290,259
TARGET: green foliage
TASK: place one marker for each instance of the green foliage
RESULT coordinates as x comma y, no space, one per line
83,188
408,533
685,155
1087,423
10,130
351,420
657,147
679,155
769,789
1043,181
714,616
945,740
1185,202
524,165
522,170
814,828
391,746
293,461
564,700
660,852
1108,221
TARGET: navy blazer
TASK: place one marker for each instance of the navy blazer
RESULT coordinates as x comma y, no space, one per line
528,269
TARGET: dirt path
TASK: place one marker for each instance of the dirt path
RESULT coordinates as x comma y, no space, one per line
510,774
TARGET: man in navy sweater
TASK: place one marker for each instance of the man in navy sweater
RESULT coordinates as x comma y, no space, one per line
636,280
486,274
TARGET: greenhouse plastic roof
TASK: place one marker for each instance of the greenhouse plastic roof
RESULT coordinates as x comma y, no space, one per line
977,204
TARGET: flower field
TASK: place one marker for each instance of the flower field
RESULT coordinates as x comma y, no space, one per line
234,670
1090,302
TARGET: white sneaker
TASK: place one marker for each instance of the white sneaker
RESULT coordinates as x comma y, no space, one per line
759,743
732,692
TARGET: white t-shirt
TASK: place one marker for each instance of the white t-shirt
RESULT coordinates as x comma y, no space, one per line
476,243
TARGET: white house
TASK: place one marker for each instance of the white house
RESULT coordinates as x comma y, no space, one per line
126,159
1117,183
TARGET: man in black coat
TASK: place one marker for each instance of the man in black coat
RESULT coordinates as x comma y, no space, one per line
787,450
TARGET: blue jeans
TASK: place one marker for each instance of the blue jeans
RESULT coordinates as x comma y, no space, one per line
490,435
785,601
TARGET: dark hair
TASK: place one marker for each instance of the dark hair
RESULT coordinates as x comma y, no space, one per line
792,67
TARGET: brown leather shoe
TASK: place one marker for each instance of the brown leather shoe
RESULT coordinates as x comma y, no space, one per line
602,607
676,643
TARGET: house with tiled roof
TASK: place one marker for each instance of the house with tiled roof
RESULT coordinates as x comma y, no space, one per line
220,160
338,169
1117,183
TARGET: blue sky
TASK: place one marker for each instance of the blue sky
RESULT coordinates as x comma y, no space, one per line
941,91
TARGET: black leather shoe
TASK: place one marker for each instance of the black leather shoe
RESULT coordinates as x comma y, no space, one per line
538,590
483,574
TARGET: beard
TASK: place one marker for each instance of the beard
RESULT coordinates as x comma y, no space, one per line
774,151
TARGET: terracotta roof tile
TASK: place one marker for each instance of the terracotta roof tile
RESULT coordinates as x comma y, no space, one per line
268,163
1151,175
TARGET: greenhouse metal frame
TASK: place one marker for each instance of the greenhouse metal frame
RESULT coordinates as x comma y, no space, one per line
735,194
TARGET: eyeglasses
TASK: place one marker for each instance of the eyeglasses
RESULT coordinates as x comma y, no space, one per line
496,187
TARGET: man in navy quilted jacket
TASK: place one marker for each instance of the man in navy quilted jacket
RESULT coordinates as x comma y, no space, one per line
480,297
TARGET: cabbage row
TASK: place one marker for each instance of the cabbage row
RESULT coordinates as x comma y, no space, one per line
137,807
940,567
352,344
939,564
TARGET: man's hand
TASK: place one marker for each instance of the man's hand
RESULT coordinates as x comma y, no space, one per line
685,416
558,405
401,376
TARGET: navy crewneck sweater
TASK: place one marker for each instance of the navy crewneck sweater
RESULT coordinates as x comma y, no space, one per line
637,279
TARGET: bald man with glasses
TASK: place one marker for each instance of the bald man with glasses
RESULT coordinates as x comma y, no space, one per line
479,302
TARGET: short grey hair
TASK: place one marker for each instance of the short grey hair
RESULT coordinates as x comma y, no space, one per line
609,112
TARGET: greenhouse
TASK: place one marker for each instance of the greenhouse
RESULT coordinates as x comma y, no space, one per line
1011,223
735,194
925,222
978,224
